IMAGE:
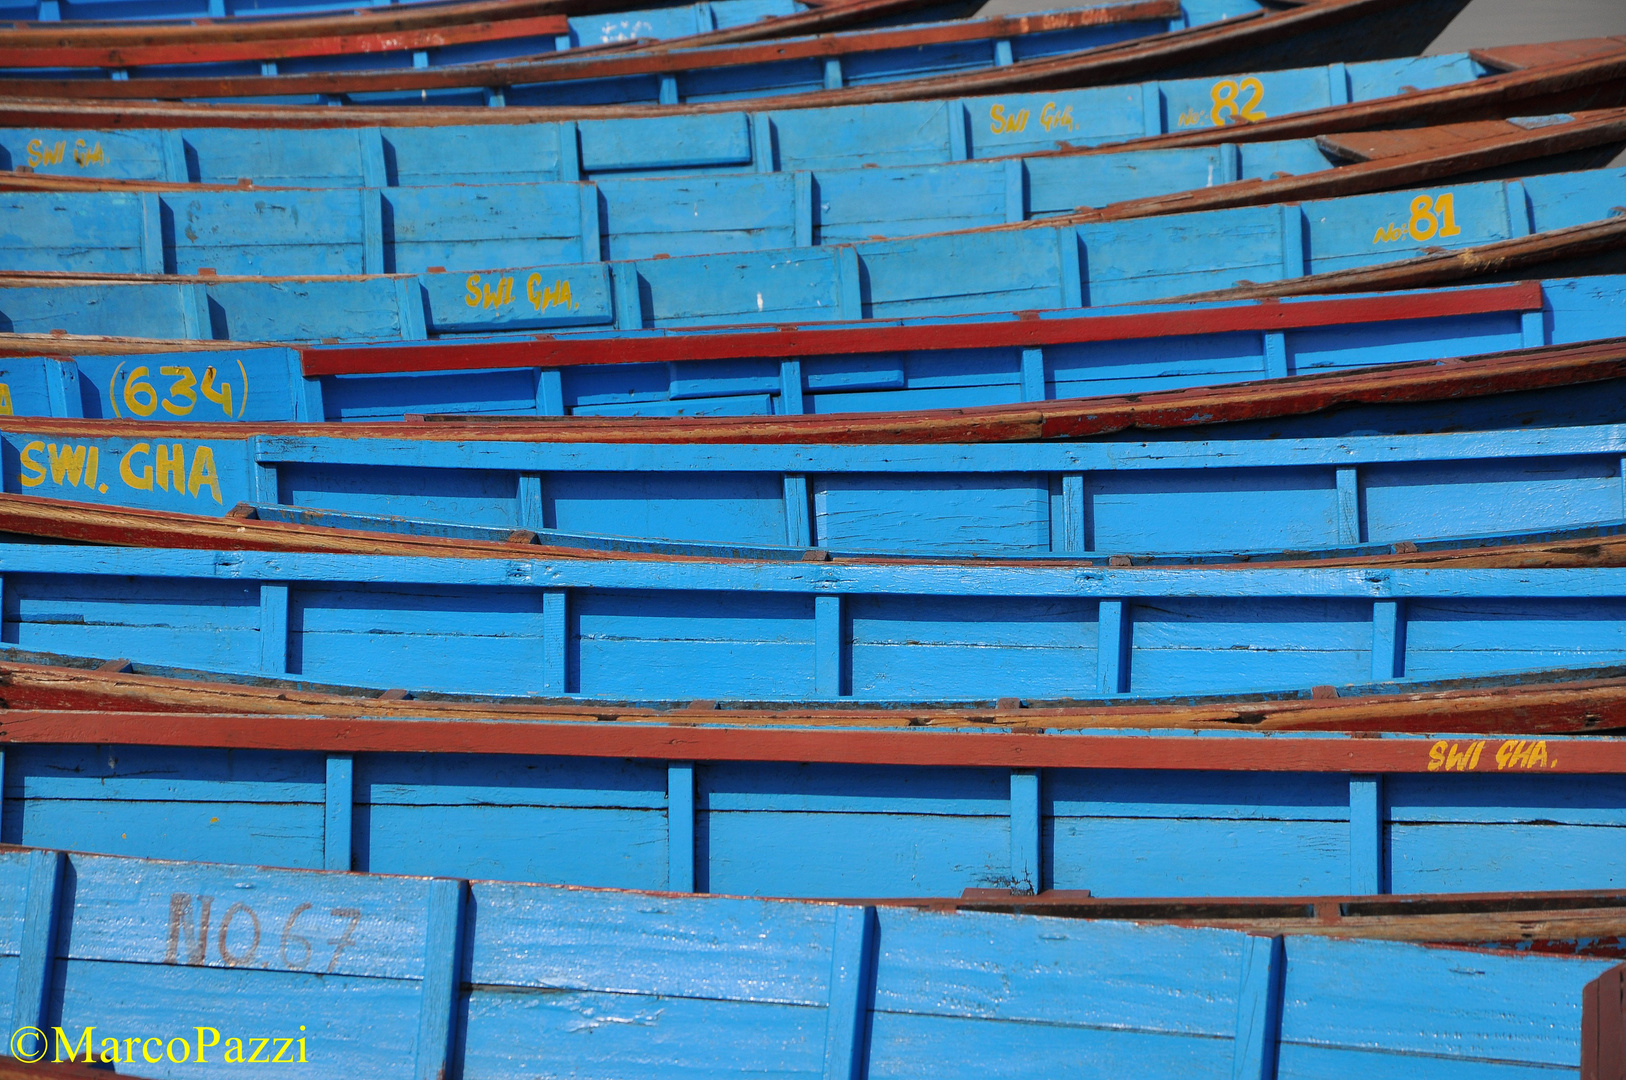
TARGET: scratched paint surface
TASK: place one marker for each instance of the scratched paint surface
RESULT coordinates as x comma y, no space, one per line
907,133
975,272
267,384
489,978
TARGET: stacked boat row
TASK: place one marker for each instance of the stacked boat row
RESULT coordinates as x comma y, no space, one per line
820,538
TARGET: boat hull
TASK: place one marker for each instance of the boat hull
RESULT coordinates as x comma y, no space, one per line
446,975
1352,244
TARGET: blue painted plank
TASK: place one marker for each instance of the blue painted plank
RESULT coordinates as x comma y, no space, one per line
954,274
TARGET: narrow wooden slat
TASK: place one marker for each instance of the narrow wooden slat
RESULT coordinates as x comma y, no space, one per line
442,981
1259,1009
851,993
1027,828
1366,846
37,953
339,801
680,811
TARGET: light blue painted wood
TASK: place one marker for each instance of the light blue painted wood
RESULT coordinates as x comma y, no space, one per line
678,630
435,1056
1114,648
829,677
813,138
1027,819
1011,499
1388,641
1366,842
1349,506
273,629
1259,1009
680,812
1033,380
1275,355
790,829
734,987
851,993
555,641
37,947
340,797
964,273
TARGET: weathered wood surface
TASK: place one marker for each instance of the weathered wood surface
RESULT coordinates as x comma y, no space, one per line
971,272
1406,158
1265,488
272,528
1317,31
41,689
856,369
1592,78
532,38
784,63
505,36
481,978
674,629
310,23
13,1069
1577,922
183,228
908,133
759,804
1597,241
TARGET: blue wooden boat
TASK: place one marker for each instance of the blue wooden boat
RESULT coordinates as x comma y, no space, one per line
306,46
1165,798
1277,476
1232,35
424,34
881,366
410,230
1500,225
262,15
895,134
432,977
792,61
666,628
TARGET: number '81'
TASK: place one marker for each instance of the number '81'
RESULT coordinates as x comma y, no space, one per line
1433,216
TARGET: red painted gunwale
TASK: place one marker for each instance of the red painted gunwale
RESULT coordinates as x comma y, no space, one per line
648,739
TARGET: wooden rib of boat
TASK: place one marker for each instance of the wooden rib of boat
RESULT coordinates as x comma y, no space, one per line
179,228
1238,798
860,368
1297,467
900,134
446,976
1550,219
1314,31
